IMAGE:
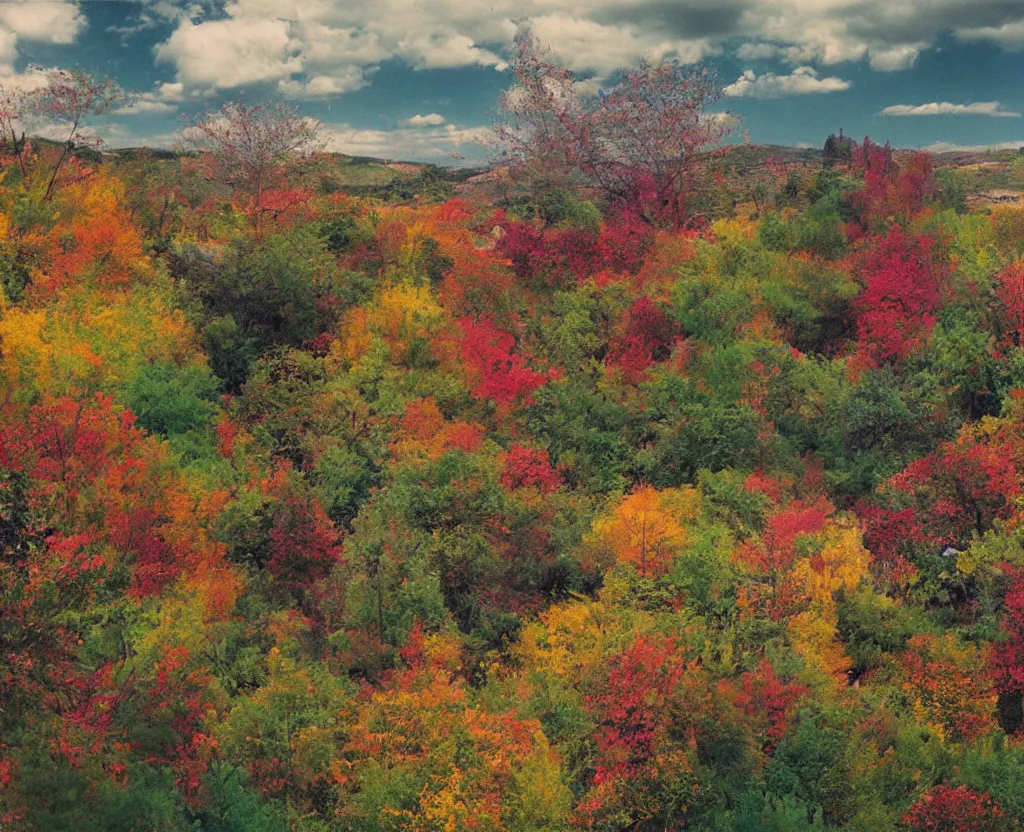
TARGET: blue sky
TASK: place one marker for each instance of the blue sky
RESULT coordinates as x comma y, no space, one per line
415,79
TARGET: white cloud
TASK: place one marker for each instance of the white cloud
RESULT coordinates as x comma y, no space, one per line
992,109
230,53
323,86
162,99
950,147
803,81
760,52
1009,35
49,21
34,78
441,144
895,58
589,46
445,51
320,48
142,106
8,51
429,120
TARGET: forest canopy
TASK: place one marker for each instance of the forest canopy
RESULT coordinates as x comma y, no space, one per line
641,482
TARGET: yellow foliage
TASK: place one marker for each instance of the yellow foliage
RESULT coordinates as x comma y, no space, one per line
645,528
842,563
398,314
733,231
815,638
25,357
355,339
566,642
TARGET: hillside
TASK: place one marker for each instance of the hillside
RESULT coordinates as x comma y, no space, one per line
393,497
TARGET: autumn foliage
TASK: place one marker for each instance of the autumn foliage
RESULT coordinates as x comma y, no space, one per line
637,485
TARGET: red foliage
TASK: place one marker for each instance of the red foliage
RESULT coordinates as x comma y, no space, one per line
891,535
896,310
1010,291
227,433
631,708
891,190
760,483
1007,656
66,445
559,256
527,467
947,683
962,487
763,696
647,338
304,542
500,374
945,809
773,554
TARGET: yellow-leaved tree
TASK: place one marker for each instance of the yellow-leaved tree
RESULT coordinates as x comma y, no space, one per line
646,528
842,563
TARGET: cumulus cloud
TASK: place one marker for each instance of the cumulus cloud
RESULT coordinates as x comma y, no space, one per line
33,78
45,21
803,81
429,120
896,57
320,48
760,52
992,109
143,106
230,53
163,98
49,21
585,45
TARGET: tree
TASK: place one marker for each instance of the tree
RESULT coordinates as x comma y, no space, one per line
250,149
14,105
69,98
498,373
646,528
641,141
897,309
945,809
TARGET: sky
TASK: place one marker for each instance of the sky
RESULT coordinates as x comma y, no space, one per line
418,79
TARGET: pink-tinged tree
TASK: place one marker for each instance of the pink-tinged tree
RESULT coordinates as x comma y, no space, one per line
70,98
896,310
14,105
642,141
647,137
538,114
253,150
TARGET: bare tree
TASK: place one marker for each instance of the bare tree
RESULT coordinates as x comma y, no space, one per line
643,140
249,149
70,98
